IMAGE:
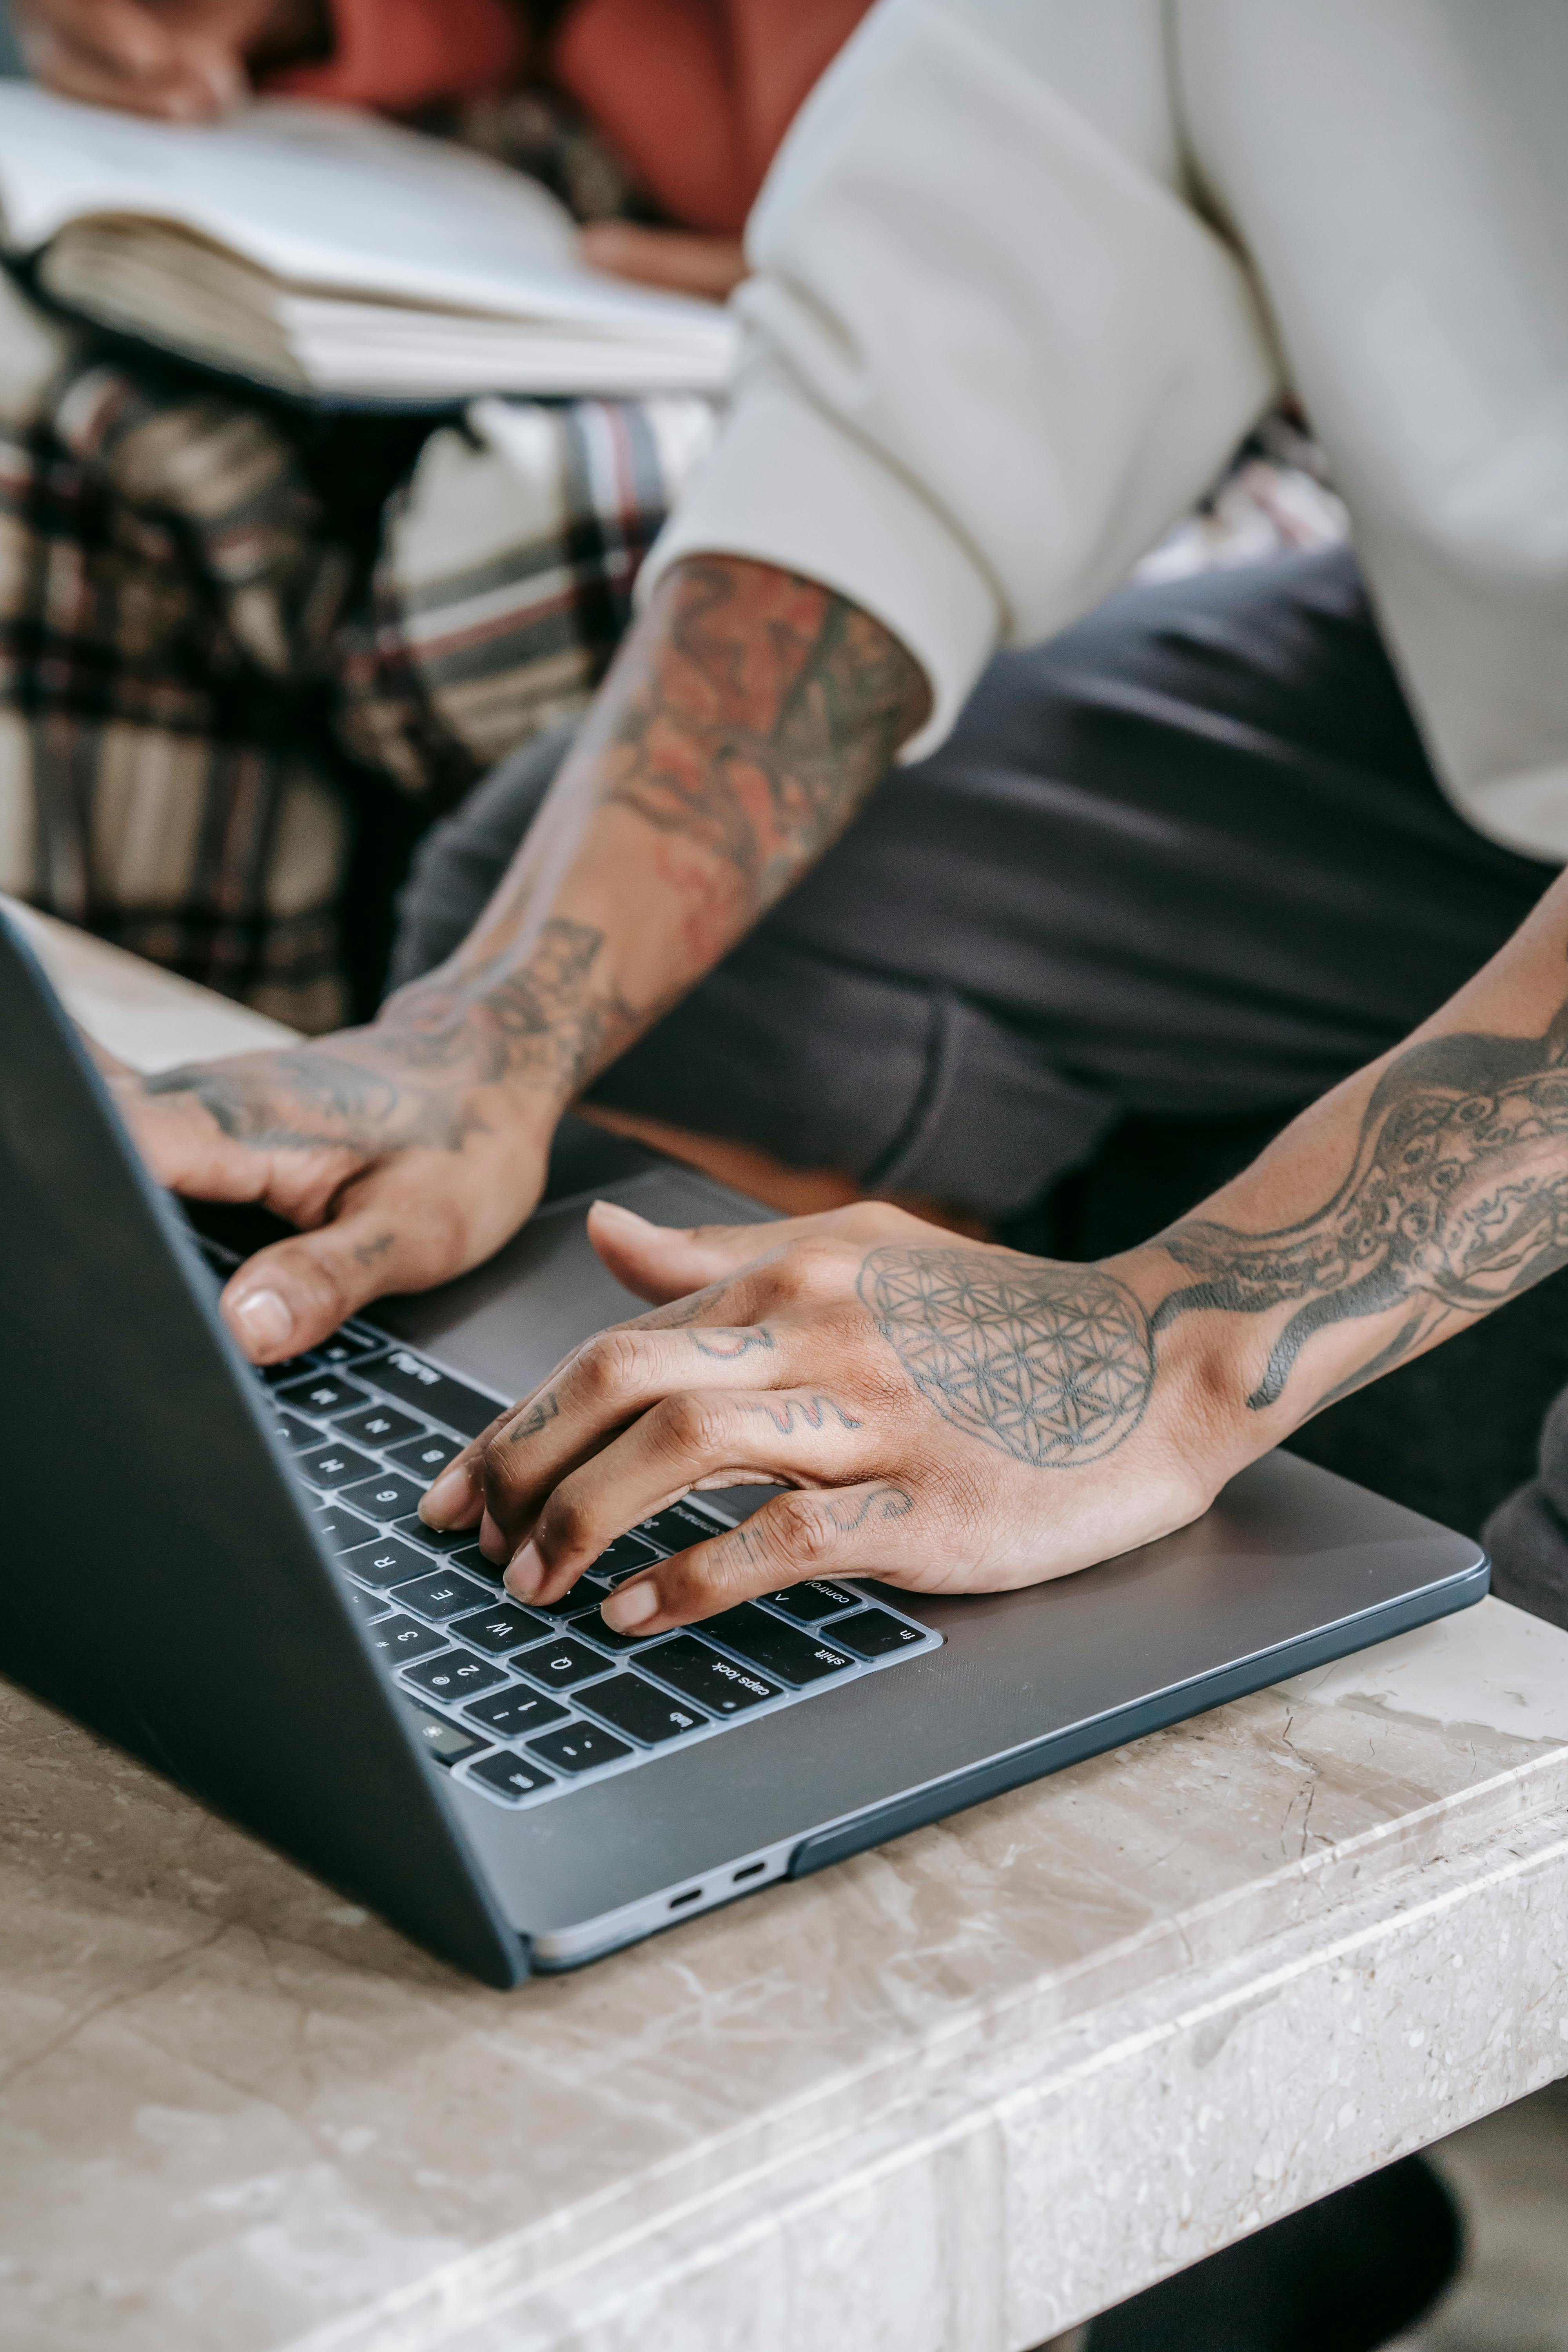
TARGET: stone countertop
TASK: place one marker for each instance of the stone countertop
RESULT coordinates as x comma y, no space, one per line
949,2096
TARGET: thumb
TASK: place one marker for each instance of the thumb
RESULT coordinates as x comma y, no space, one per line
294,1293
663,1262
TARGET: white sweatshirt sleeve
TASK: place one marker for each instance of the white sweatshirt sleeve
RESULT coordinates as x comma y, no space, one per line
993,349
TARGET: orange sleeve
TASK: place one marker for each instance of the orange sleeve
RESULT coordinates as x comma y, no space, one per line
402,54
697,94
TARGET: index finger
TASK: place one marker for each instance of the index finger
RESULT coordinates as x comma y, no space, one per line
873,1529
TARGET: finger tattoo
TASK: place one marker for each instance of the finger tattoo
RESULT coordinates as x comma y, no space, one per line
884,1502
788,1414
538,1417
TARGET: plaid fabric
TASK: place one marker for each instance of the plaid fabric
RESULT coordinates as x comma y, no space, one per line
216,669
504,578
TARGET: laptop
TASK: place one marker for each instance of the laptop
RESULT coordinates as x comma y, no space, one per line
221,1571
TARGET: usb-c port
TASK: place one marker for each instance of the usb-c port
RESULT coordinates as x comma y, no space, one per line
752,1870
692,1894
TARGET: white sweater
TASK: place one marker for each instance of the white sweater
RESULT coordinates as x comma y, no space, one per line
1027,269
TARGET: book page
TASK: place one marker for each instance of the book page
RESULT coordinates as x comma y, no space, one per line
321,198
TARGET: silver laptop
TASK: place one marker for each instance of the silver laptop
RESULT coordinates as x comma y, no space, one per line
223,1570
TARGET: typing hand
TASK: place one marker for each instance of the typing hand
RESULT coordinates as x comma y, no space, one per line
949,1415
408,1151
186,61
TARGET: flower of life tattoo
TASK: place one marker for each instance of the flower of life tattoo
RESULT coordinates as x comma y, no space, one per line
1052,1364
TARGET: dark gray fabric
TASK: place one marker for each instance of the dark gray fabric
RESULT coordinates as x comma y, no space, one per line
1528,1537
1187,859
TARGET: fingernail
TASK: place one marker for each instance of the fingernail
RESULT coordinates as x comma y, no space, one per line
632,1606
444,1497
614,1208
525,1574
265,1319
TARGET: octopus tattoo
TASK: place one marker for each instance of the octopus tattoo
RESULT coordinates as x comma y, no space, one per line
1457,1200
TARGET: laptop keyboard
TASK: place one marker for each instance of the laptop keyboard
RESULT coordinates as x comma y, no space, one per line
523,1703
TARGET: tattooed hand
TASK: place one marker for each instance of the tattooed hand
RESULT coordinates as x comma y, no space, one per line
950,1415
946,1415
409,1151
746,717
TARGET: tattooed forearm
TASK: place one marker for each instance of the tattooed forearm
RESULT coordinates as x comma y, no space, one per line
761,720
542,1022
409,1081
1457,1200
1053,1364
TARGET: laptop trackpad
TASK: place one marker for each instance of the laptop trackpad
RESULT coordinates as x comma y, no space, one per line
511,1321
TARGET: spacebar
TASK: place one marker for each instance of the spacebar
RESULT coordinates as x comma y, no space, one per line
415,1383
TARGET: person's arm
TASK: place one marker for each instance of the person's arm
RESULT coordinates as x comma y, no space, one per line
743,722
183,59
950,1415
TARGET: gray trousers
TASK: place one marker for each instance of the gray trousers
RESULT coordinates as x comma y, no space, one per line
1187,859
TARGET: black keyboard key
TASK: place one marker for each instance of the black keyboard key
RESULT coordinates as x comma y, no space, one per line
387,1495
339,1529
585,1595
346,1347
579,1747
512,1712
811,1601
508,1776
501,1627
873,1632
443,1539
681,1525
386,1559
473,1560
590,1621
643,1713
454,1674
697,1672
294,1368
367,1605
449,1743
424,1457
559,1663
439,1595
297,1435
624,1557
334,1465
787,1650
376,1425
323,1393
411,1382
400,1638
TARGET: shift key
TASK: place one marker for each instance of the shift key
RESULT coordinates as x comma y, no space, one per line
790,1651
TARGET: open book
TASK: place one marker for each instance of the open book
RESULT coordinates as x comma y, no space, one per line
327,252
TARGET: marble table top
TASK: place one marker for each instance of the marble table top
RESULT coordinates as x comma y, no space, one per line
951,2097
